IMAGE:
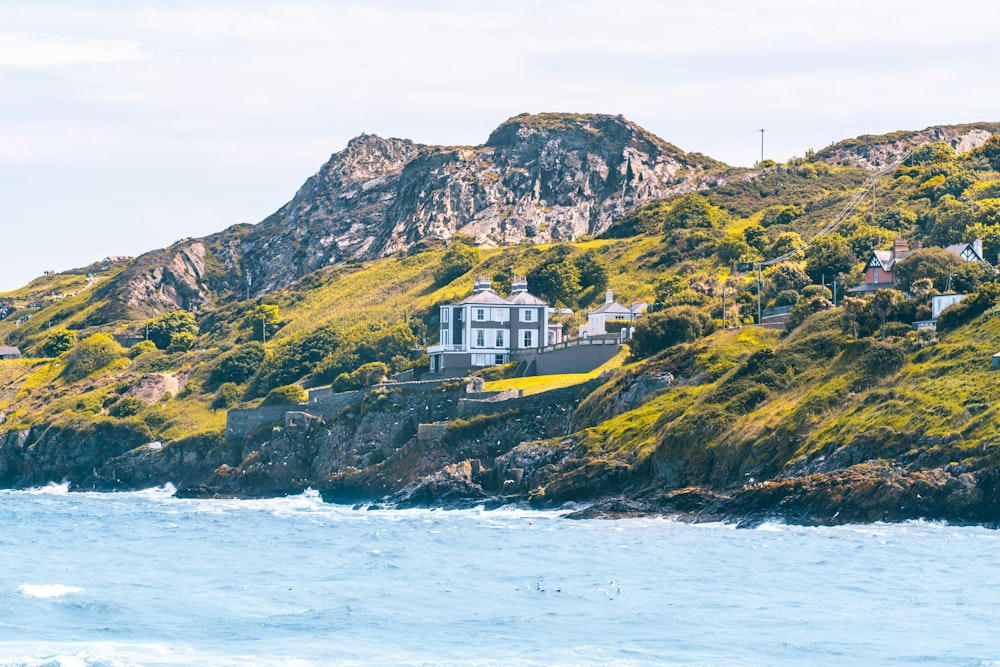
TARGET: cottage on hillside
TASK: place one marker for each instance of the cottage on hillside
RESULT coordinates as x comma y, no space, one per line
7,353
880,270
484,328
612,317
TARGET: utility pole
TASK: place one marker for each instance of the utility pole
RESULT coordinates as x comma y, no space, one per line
263,328
723,306
762,146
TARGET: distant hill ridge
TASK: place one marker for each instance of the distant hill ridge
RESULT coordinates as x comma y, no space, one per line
538,178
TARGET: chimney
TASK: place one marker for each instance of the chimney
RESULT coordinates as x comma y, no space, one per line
609,297
918,245
899,246
977,245
481,284
519,284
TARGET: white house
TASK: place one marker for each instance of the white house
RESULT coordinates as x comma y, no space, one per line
484,328
611,311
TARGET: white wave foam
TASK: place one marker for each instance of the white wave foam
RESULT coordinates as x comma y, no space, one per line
47,590
50,489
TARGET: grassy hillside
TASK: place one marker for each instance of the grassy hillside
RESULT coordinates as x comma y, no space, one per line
706,399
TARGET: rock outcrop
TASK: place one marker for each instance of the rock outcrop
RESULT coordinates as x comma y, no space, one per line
879,151
538,178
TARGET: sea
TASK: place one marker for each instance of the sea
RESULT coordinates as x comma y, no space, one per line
89,579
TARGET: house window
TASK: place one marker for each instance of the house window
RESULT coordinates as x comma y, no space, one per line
501,342
445,337
498,359
875,273
482,359
527,315
480,338
499,314
529,338
480,314
444,315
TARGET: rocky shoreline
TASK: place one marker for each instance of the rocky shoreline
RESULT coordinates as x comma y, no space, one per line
399,448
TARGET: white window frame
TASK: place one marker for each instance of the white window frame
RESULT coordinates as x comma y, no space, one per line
480,338
480,314
527,314
444,315
445,337
500,338
500,314
528,338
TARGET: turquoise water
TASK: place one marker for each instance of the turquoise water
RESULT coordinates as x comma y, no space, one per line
145,579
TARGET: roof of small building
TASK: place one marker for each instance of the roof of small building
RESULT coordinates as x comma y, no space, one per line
525,299
613,307
7,350
484,298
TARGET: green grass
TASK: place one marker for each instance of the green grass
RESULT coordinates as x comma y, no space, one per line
539,383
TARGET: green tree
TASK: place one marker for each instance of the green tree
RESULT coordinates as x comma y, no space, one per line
786,277
558,282
931,153
853,308
787,243
828,256
947,223
779,215
58,341
734,247
866,238
692,210
127,406
458,260
182,341
265,320
91,355
756,237
593,270
991,151
162,329
883,304
933,263
658,331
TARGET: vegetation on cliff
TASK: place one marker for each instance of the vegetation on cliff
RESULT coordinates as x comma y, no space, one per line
707,399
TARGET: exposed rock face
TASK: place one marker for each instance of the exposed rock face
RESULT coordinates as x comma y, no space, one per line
878,152
537,178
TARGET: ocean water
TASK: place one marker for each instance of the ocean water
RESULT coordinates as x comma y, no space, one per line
146,579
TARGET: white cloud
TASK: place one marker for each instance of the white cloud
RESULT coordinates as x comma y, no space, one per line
25,50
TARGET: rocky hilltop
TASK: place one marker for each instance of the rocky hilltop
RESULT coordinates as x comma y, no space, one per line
879,151
538,178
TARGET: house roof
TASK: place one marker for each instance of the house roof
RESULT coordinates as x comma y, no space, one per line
525,299
486,298
6,351
613,307
961,249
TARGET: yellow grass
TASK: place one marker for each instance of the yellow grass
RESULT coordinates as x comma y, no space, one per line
540,383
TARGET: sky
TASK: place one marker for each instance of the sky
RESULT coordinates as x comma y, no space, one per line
127,125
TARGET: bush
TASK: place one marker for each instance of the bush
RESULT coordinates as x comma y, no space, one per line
457,261
229,394
182,341
289,394
57,342
364,376
141,348
239,364
658,331
163,329
127,406
91,355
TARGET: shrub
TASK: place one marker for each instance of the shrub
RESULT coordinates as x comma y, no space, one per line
364,376
141,348
658,331
127,406
182,341
91,355
457,261
289,394
57,342
163,329
239,364
229,394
